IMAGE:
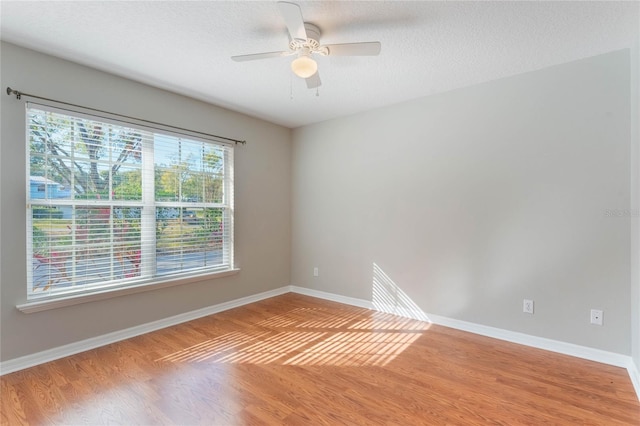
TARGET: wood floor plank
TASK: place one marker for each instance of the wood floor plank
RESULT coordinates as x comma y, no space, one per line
297,360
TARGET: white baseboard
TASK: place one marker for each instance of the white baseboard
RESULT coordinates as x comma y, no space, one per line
634,374
94,342
592,354
332,296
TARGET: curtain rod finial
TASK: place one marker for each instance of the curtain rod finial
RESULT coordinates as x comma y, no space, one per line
10,92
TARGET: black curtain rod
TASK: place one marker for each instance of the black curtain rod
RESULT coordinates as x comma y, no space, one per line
19,95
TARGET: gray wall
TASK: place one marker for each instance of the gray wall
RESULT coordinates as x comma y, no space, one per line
262,203
635,204
469,201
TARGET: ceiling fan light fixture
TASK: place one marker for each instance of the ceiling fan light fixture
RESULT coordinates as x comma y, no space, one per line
304,41
304,67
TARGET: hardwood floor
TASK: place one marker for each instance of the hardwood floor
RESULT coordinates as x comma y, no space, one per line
298,360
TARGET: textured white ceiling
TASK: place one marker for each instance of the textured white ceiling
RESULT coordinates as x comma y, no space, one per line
427,47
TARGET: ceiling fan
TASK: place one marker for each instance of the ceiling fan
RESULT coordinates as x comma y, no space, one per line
305,42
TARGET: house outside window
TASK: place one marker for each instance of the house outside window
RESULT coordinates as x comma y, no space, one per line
122,205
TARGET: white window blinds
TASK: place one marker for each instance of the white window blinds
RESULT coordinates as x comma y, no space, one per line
113,205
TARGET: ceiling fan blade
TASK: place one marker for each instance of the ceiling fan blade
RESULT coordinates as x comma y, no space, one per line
255,56
293,20
370,48
313,81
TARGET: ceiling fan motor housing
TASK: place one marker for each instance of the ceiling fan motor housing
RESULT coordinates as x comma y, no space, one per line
313,32
311,44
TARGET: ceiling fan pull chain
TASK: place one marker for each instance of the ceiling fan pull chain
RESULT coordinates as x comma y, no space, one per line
290,86
317,93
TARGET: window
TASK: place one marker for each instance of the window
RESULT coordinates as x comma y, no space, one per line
122,206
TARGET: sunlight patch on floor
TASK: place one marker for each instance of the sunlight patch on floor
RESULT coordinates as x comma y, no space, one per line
384,321
272,349
344,348
322,318
210,348
355,348
319,336
345,337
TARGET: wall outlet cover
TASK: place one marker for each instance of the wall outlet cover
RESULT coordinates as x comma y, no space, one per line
596,316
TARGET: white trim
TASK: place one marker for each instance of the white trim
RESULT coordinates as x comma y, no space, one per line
333,297
565,348
94,342
634,374
98,279
76,299
592,354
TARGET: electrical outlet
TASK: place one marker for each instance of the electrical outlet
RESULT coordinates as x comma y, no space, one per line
527,306
596,316
316,272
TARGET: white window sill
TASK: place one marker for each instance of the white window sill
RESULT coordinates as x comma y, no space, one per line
76,299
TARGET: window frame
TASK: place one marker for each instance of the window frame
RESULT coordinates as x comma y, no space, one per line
149,278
